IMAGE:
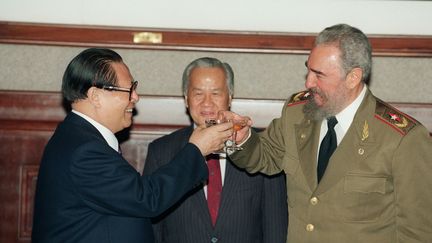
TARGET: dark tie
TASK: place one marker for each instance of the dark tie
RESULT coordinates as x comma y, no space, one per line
214,186
328,146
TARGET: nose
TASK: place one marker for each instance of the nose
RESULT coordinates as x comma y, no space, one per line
208,99
310,80
134,97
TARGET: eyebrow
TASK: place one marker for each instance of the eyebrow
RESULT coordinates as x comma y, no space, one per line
314,70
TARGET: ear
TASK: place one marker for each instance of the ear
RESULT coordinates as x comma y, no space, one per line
186,101
94,96
354,77
230,98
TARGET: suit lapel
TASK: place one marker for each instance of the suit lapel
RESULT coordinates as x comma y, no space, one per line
341,160
200,208
307,136
198,201
229,194
230,183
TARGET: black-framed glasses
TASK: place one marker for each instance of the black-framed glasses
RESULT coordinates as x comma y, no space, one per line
116,88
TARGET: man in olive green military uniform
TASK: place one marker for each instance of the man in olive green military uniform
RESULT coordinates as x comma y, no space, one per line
377,184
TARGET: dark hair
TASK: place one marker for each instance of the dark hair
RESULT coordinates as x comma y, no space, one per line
356,51
92,67
209,62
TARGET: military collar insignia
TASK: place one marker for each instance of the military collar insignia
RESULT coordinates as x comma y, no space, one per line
365,132
399,121
299,98
396,119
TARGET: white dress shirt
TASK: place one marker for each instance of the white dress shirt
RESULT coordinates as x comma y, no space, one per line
345,118
109,137
222,162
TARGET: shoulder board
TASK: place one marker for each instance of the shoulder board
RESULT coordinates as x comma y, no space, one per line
299,98
396,119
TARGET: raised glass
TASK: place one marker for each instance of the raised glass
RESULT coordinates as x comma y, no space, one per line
230,145
211,122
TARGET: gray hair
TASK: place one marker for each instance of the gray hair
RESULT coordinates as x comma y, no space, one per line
356,51
209,62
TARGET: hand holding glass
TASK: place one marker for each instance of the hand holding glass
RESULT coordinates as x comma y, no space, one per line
211,122
238,124
230,145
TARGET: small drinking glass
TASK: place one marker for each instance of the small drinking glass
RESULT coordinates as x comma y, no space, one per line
232,145
211,122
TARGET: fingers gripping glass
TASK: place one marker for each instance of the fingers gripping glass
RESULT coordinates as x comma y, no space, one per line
115,88
212,122
230,145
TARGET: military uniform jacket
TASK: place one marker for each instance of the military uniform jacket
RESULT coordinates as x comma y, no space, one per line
377,186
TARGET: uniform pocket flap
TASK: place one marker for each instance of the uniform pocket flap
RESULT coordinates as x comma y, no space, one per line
365,184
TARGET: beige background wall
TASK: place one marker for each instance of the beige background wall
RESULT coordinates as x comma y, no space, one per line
266,76
371,16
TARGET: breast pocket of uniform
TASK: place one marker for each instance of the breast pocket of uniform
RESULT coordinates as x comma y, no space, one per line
365,197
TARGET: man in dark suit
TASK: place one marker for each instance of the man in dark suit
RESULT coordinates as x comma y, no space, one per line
252,208
86,191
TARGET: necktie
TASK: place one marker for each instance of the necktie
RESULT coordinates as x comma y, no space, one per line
328,146
214,186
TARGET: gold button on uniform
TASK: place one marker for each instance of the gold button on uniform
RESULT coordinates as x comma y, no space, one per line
303,135
310,227
314,201
361,151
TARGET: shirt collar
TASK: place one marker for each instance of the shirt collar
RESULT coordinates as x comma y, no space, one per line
221,155
346,116
109,137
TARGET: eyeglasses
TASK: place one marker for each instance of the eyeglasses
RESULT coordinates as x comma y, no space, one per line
116,88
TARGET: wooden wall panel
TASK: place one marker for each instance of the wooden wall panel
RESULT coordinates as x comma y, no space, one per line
27,123
20,154
198,40
28,178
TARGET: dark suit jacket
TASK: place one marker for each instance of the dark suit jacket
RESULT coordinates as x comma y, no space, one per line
253,207
87,192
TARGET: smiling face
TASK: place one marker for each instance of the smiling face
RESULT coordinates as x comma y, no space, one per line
207,94
116,109
327,83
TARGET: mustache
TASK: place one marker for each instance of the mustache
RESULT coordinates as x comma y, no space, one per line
315,91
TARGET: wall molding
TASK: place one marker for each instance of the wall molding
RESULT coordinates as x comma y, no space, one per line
195,40
155,113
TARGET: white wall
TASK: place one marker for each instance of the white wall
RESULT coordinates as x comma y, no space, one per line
371,16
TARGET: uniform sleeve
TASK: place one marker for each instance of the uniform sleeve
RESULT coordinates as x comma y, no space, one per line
275,210
412,175
264,151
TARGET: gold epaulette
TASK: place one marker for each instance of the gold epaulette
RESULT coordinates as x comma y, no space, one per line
396,119
299,98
